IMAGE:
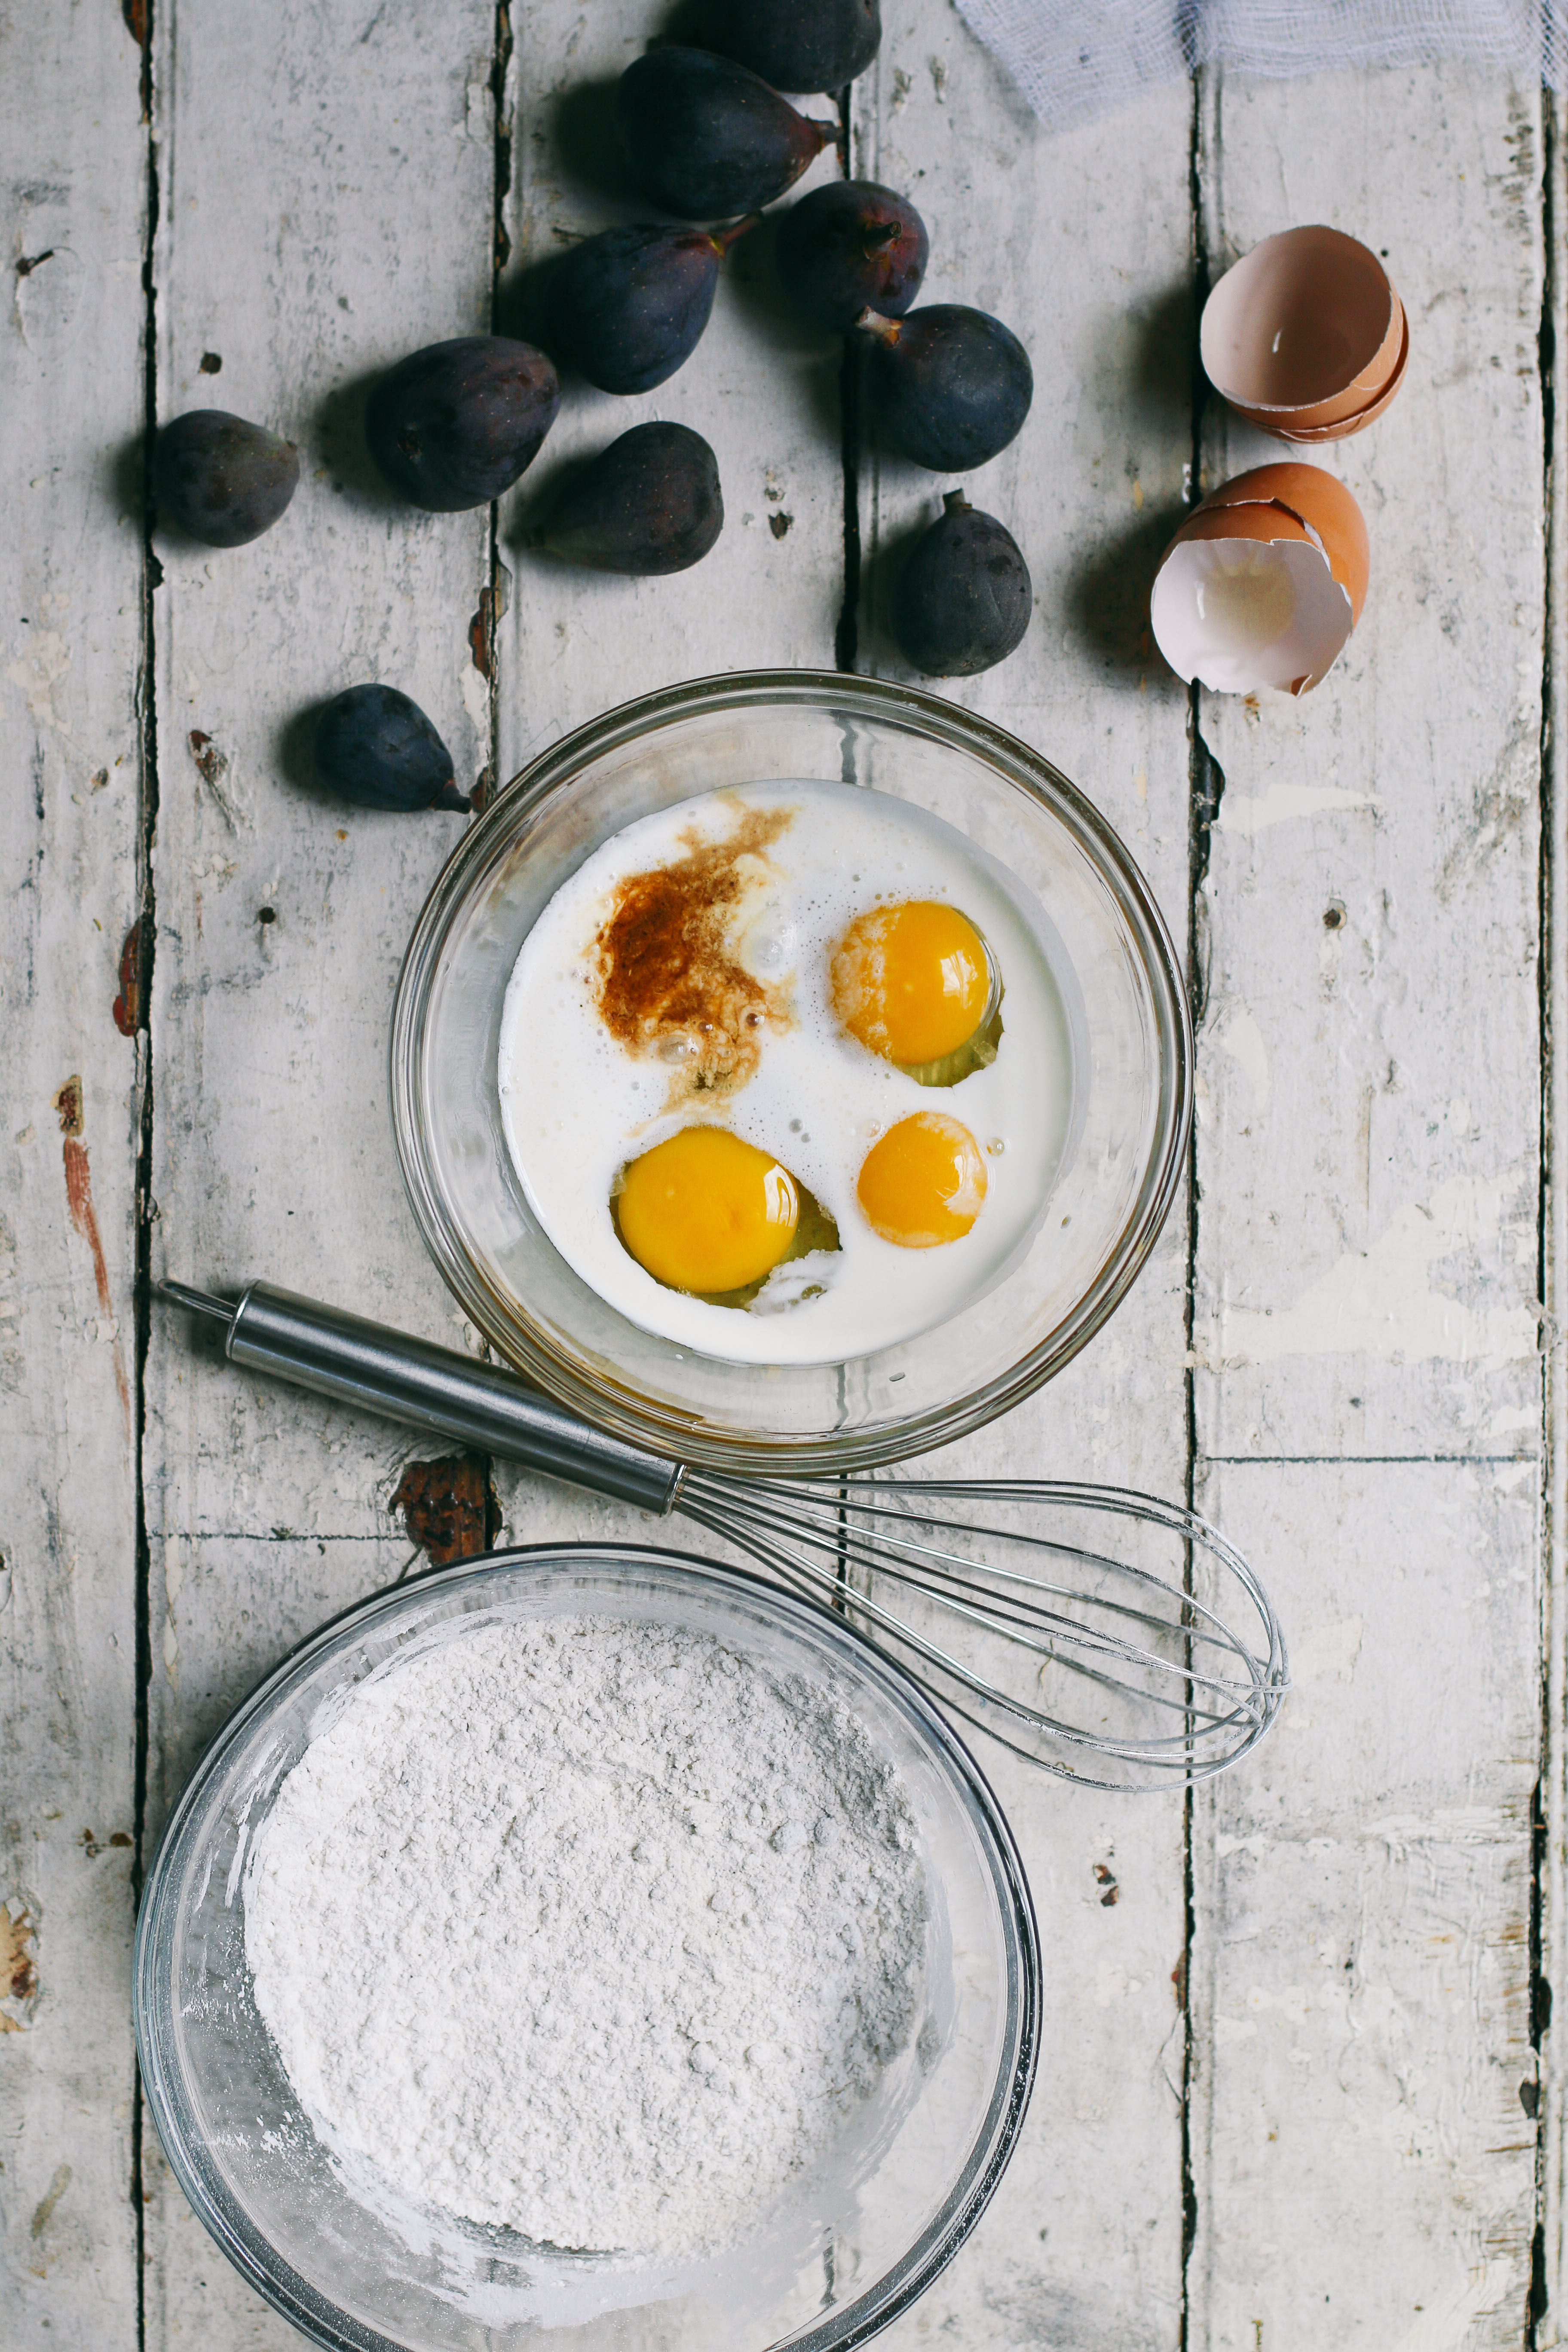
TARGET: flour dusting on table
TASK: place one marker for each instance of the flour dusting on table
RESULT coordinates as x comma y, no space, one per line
588,1929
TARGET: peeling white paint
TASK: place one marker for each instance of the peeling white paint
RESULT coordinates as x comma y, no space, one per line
42,665
1381,1301
476,700
1330,1649
1448,1825
49,302
1112,1984
1237,1033
1444,2326
1253,813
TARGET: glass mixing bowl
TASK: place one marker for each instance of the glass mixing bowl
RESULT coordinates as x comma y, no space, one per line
1114,966
861,2236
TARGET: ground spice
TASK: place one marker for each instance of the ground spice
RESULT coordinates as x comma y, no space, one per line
668,981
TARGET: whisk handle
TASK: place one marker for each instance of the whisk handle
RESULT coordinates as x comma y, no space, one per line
379,1370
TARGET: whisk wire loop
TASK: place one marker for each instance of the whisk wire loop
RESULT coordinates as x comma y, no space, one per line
763,1549
1038,1629
1181,1693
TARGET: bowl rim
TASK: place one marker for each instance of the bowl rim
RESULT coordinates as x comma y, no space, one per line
287,2289
621,1409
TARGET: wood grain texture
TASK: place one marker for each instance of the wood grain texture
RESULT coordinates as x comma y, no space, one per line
1081,246
70,361
1368,1178
1362,2156
1371,1103
326,183
282,916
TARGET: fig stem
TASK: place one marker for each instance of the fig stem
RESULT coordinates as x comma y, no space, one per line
875,324
954,502
722,240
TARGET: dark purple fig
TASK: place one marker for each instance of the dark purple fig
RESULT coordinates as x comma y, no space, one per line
650,503
630,305
707,140
964,598
950,387
454,424
848,246
221,481
802,44
375,746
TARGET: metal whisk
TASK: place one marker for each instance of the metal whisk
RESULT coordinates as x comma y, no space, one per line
1116,1672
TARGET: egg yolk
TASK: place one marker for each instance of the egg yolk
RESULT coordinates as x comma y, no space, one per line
705,1212
923,1182
911,982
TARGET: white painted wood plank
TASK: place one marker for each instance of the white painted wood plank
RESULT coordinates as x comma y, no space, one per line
1362,2156
1081,244
1371,1084
274,1146
71,362
326,188
575,643
1368,1170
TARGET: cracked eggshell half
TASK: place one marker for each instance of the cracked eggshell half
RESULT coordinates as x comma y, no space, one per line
1264,583
1307,437
1305,333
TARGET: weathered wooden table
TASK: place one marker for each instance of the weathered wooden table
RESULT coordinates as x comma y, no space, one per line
1297,2089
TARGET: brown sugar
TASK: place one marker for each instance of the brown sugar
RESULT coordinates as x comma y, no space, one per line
668,978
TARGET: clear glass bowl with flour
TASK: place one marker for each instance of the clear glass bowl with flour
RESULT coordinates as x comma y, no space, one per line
594,1941
1092,1158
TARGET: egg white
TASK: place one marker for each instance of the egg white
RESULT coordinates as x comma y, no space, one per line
575,1105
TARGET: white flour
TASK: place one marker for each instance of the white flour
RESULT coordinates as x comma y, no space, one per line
587,1929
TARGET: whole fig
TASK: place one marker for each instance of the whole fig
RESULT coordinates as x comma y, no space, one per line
648,504
802,44
707,140
454,424
849,246
631,304
964,598
375,746
950,387
221,481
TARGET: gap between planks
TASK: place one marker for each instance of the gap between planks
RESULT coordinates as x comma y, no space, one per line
1548,2288
1205,789
147,929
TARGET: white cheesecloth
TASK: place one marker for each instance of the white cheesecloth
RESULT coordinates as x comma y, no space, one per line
1076,59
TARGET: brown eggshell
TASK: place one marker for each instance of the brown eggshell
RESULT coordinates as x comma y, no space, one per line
1308,438
1309,496
1240,645
1305,331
